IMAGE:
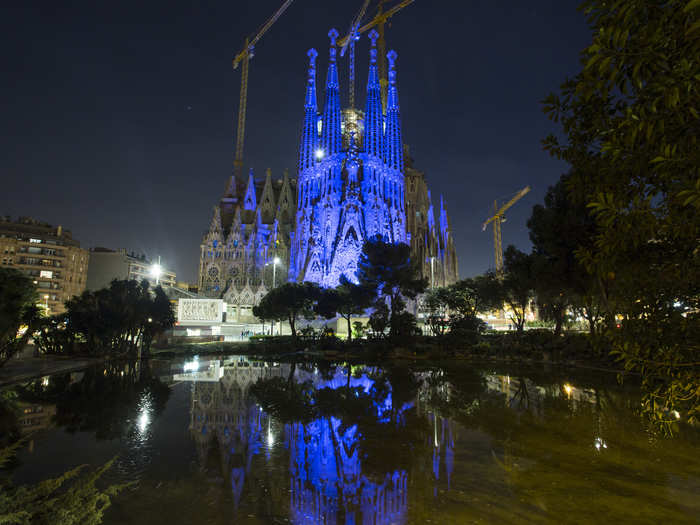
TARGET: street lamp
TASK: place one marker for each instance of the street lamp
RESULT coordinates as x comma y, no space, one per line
156,271
46,303
274,264
432,271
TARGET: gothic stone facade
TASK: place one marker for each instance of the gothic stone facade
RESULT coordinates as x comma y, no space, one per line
355,180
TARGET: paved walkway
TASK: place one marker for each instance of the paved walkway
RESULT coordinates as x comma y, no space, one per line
26,366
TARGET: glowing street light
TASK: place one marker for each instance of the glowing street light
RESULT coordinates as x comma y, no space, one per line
46,303
156,271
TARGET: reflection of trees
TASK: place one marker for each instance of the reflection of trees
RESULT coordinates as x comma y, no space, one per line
334,422
107,400
338,425
562,450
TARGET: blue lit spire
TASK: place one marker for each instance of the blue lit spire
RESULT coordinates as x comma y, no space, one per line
309,134
374,122
330,134
394,143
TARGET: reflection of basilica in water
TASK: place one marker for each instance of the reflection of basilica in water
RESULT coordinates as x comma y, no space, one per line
323,457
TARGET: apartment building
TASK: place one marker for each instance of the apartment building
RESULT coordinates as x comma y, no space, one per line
107,265
49,255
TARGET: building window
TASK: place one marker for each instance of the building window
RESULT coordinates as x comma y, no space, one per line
46,274
36,241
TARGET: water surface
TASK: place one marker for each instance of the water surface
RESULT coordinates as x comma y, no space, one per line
238,441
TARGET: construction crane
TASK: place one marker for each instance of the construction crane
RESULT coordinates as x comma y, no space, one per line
243,58
378,21
497,218
353,36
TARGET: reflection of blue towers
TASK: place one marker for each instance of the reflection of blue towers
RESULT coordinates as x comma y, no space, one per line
443,446
326,471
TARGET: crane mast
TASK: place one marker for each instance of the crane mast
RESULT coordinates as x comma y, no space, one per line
378,21
243,59
497,218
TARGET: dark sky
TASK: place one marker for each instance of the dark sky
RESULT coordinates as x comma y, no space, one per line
118,117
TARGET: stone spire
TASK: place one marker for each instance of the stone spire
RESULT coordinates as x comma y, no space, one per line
394,143
249,201
309,134
330,133
374,122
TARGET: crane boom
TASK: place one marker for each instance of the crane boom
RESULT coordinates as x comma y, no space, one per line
497,219
243,58
499,212
379,20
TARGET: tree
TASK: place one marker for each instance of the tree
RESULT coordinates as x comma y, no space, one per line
288,302
558,229
70,498
346,300
518,284
111,320
160,317
436,302
18,300
631,121
387,269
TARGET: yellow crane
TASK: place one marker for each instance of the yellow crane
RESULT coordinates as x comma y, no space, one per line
381,18
497,218
243,58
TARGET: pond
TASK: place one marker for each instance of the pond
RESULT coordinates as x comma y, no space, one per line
239,441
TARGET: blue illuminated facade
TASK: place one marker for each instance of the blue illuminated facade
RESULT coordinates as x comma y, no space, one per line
355,179
350,182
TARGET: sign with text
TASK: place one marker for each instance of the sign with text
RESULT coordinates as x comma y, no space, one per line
200,311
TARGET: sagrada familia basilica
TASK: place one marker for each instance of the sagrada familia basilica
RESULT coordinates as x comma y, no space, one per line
355,180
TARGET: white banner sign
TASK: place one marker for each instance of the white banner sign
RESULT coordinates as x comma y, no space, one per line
200,310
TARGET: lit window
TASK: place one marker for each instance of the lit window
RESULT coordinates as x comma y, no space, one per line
35,240
46,274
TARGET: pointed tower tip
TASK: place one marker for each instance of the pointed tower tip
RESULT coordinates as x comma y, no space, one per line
312,54
373,36
391,56
333,35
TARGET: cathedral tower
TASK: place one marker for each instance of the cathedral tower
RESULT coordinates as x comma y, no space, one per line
352,188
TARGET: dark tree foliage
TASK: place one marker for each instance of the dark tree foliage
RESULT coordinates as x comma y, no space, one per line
475,295
345,300
388,271
113,320
518,284
70,499
436,302
289,302
558,229
631,122
18,300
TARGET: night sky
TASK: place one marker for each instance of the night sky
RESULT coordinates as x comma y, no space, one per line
118,118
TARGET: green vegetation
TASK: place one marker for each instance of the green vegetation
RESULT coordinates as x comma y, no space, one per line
630,123
288,302
115,321
388,271
18,308
70,499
